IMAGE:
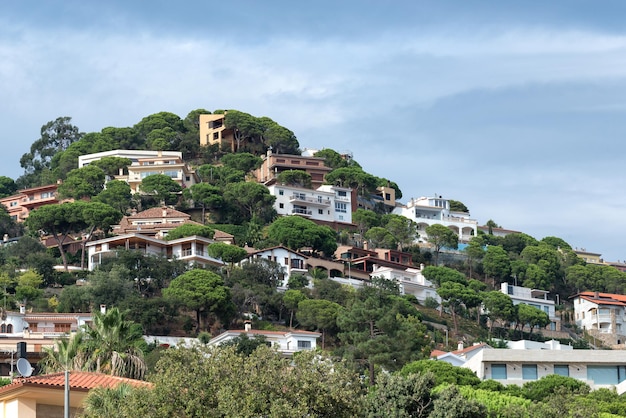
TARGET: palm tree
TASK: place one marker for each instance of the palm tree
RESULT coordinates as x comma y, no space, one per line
106,402
115,345
112,345
67,354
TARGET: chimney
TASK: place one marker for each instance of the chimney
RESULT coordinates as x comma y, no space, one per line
22,308
103,309
247,325
596,295
164,212
460,346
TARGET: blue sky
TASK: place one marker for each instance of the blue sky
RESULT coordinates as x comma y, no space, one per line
517,109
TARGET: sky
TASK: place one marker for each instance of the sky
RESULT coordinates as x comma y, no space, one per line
516,109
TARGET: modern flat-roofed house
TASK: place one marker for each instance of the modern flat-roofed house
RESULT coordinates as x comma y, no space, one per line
145,163
274,164
536,298
597,368
427,211
602,315
329,205
213,131
409,280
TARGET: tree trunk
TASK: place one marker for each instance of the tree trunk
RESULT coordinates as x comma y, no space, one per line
61,250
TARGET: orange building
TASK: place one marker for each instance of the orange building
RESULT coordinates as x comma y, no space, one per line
19,205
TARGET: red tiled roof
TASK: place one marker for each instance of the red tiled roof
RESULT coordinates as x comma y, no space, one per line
603,298
84,381
468,349
262,332
437,353
158,213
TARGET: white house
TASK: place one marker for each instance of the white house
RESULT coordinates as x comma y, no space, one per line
286,342
535,298
327,203
292,262
427,211
602,315
192,249
597,368
145,163
410,281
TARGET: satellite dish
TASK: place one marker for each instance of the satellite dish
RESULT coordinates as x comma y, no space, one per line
23,367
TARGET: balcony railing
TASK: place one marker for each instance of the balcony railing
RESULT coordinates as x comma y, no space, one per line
300,198
301,212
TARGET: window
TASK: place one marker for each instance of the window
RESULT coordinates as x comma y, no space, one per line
561,370
62,328
529,371
341,207
216,135
13,204
281,192
498,371
10,328
604,375
546,309
320,211
341,193
281,205
46,195
3,328
304,345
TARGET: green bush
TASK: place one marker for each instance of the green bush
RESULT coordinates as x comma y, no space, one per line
444,372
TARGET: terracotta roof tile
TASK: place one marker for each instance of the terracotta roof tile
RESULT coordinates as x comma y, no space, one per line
158,213
603,298
78,381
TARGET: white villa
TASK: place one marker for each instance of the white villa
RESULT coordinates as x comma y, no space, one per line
597,368
427,211
292,262
286,342
327,203
146,163
603,315
410,280
526,361
535,298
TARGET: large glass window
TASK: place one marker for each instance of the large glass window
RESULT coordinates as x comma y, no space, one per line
606,375
529,371
561,369
498,371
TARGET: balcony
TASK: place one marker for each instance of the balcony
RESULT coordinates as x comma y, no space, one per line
305,212
309,200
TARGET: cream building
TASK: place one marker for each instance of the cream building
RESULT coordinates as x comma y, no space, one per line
427,211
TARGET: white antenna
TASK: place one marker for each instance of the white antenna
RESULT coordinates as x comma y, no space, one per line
23,367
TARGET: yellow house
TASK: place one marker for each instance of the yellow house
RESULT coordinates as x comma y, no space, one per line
44,396
213,131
